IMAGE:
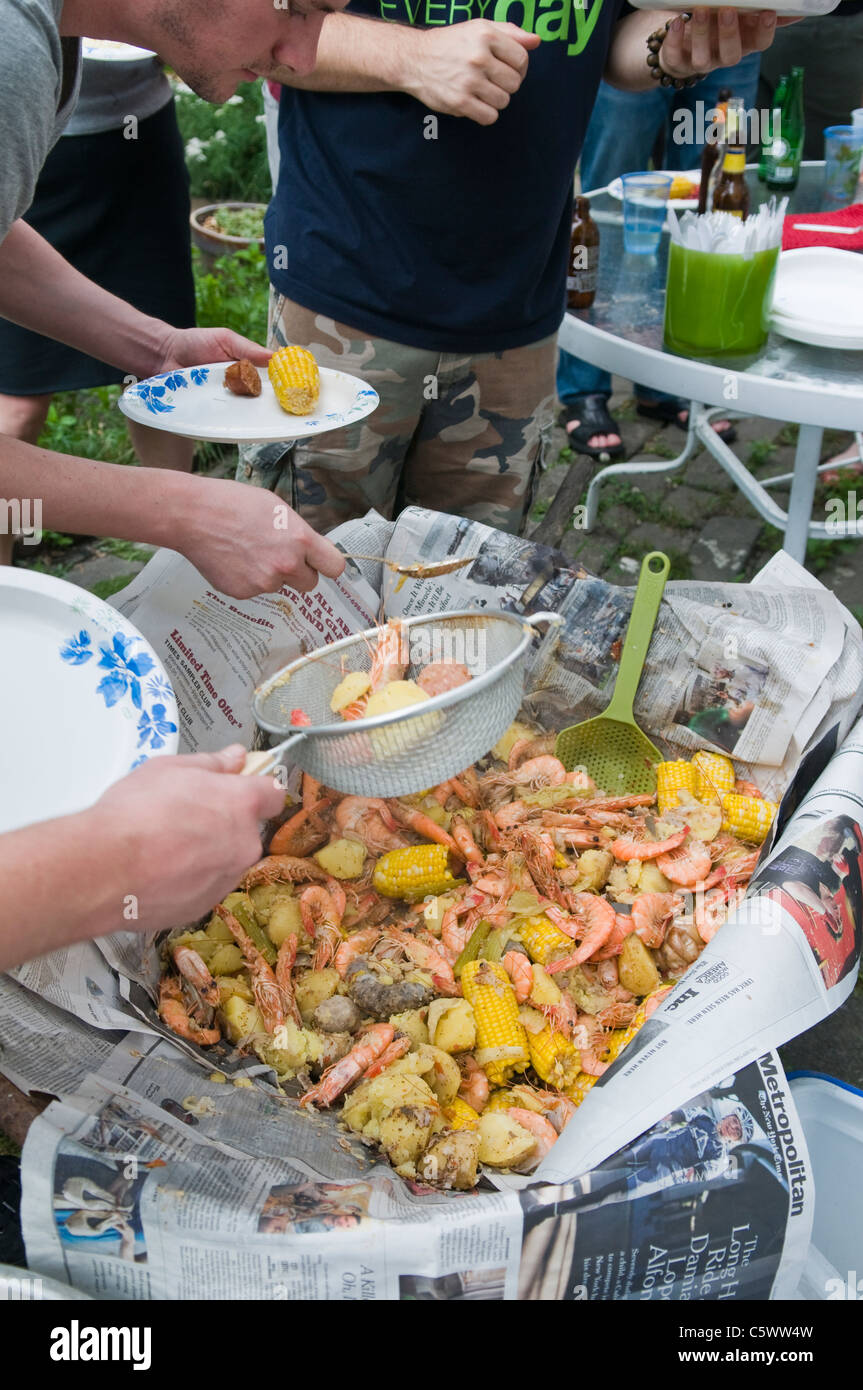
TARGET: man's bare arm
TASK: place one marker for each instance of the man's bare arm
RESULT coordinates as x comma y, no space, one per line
469,69
711,39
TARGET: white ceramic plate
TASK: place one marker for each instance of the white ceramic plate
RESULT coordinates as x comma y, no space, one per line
83,698
818,297
195,402
615,188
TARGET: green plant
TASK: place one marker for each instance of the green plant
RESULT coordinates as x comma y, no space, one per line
226,149
236,294
104,588
761,451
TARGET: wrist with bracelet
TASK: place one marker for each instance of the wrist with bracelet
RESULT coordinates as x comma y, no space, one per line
657,72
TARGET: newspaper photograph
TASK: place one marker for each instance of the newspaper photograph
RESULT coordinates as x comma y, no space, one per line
686,1114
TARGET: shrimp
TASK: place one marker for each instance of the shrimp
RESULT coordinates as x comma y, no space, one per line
282,868
423,825
542,1130
311,790
303,832
651,914
520,971
398,1047
653,1002
175,1015
426,955
350,1068
268,994
561,1017
512,814
356,945
440,676
744,788
539,857
546,769
474,1086
284,967
686,864
192,968
468,847
618,1014
369,820
454,935
713,909
387,664
529,748
623,925
322,920
640,847
595,919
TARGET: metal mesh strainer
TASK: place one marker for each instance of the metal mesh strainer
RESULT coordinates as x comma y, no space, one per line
395,754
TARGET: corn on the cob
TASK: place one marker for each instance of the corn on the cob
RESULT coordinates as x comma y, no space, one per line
554,1058
580,1087
671,778
499,1100
412,873
486,986
294,374
541,938
750,817
459,1115
714,774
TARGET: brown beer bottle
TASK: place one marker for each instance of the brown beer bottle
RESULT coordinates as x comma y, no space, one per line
583,265
710,152
731,194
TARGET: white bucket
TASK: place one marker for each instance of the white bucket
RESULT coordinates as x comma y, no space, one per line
831,1113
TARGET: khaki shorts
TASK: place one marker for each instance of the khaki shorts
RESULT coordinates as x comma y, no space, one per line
453,432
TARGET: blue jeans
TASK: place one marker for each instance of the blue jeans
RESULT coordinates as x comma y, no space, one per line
619,140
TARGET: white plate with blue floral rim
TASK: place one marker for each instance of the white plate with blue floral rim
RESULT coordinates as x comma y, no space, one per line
83,698
196,403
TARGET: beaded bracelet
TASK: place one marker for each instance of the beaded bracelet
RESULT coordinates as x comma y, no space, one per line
654,44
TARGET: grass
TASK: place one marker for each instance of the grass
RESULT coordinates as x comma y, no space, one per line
761,451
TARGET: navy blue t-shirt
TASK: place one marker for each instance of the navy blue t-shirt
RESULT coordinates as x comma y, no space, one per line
455,243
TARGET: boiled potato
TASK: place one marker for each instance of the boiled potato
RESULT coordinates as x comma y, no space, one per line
405,1132
636,967
199,941
226,959
451,1025
231,986
217,930
652,879
393,696
265,897
433,912
594,866
502,1141
285,920
413,1023
342,858
290,1049
241,1019
372,1101
544,990
352,687
504,745
314,987
443,1075
451,1159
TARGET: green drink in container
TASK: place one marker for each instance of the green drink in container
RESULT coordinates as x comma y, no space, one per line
718,305
719,290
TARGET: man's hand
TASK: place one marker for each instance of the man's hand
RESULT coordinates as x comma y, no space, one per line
190,828
190,347
469,69
246,541
715,39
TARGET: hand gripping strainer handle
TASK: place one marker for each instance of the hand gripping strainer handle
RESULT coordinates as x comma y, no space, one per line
266,760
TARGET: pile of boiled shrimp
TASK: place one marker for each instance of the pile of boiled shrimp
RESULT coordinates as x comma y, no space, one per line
581,909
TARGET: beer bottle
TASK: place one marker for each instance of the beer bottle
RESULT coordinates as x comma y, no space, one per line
710,152
731,194
583,257
786,148
774,119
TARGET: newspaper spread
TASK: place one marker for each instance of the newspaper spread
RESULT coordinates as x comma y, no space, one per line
644,1195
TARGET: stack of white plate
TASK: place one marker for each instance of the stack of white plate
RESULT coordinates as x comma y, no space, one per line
818,297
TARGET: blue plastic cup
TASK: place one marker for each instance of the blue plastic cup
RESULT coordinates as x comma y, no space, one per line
843,150
645,201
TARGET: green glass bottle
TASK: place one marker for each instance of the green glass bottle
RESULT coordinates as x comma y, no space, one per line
769,120
786,149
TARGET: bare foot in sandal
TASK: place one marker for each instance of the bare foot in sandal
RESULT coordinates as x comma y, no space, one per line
590,429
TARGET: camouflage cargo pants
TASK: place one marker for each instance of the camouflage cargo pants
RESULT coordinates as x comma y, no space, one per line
453,432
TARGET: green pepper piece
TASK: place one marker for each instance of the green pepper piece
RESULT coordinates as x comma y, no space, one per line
240,904
473,947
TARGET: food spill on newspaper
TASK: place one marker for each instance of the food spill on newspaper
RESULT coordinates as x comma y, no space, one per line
457,968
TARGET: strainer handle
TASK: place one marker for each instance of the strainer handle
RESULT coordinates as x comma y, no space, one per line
553,619
642,620
265,759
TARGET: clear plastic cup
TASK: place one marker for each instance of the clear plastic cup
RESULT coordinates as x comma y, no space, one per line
645,202
843,151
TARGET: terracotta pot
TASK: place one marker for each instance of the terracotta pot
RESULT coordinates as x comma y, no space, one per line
213,244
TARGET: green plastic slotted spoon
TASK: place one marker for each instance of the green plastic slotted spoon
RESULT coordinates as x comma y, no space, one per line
611,747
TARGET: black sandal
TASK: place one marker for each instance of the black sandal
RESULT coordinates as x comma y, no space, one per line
591,411
668,413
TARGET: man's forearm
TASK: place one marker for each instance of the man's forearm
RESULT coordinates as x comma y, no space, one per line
358,54
41,291
85,497
627,57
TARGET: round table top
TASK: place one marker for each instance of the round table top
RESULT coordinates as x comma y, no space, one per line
622,332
